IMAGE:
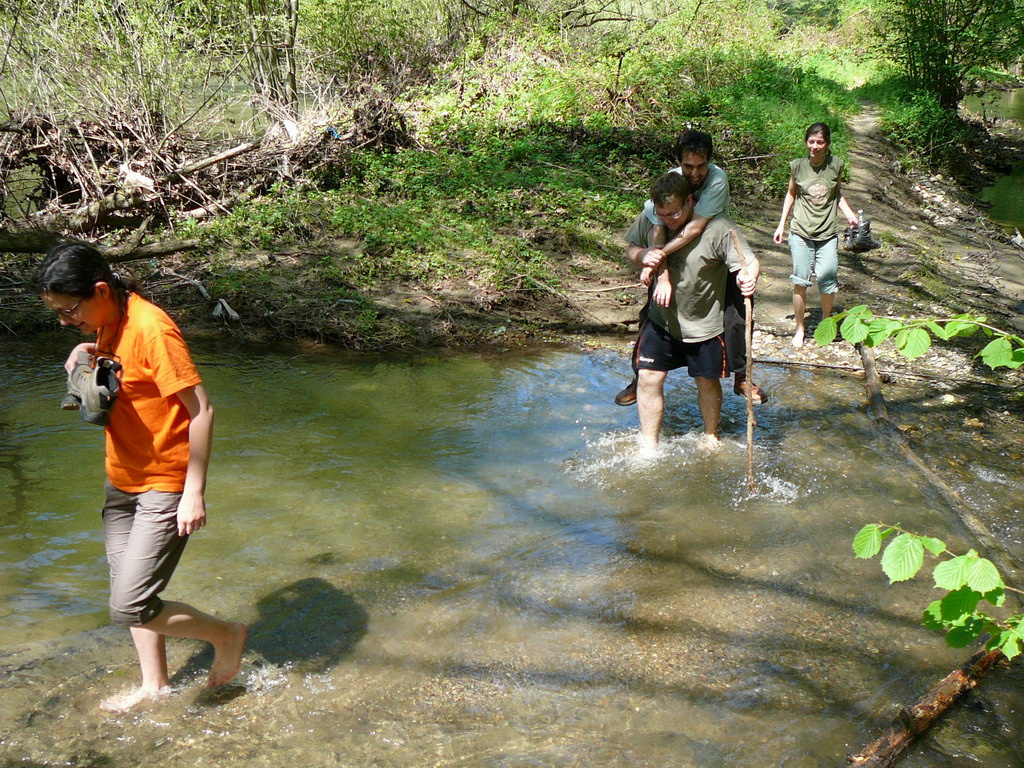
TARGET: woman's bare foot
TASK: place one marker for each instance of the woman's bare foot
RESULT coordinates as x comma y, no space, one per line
798,339
126,700
227,656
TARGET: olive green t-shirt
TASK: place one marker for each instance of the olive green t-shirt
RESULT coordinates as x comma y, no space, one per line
815,210
698,273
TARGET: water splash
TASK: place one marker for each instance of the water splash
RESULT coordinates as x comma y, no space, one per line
618,455
258,678
989,475
769,488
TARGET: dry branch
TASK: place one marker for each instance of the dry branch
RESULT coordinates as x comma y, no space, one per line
121,200
97,177
30,241
88,216
149,251
912,721
41,241
748,308
227,154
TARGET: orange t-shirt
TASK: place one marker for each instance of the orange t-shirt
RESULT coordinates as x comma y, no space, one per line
147,435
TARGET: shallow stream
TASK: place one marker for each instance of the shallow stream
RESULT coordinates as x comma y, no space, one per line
461,560
1006,195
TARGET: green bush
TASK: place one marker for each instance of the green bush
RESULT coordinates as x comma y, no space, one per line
915,120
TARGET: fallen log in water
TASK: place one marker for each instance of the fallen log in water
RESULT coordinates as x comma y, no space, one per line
915,720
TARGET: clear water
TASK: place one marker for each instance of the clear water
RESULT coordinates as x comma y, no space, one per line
460,560
1006,195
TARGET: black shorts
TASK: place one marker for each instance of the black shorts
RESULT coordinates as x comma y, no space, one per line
658,350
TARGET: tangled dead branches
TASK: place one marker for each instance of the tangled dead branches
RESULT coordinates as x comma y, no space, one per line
77,175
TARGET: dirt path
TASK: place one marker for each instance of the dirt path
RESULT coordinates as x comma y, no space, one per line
939,256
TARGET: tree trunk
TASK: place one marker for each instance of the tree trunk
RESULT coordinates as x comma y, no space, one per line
291,76
39,241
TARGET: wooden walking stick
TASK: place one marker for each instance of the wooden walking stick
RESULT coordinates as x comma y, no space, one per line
748,306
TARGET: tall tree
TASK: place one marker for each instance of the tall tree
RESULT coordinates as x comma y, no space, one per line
937,42
272,32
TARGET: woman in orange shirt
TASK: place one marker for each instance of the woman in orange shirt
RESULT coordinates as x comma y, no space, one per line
158,435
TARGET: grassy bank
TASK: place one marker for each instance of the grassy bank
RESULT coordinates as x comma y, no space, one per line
534,139
526,151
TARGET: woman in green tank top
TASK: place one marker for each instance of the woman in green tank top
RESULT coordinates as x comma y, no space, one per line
815,198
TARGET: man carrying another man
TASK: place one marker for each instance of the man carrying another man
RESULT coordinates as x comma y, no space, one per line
710,187
689,330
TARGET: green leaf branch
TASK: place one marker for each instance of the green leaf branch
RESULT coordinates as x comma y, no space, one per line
968,580
912,338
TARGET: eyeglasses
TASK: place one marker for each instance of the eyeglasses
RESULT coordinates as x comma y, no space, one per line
670,216
70,311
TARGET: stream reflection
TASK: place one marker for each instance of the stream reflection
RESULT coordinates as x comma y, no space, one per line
460,561
1006,194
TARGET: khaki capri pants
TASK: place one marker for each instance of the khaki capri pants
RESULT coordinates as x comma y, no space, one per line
140,531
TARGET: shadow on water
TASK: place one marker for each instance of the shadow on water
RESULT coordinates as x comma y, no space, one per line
308,625
540,595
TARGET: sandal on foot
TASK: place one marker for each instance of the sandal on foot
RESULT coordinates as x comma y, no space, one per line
757,397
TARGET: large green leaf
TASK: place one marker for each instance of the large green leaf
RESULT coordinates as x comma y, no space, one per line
854,329
1007,642
903,557
935,546
932,618
1018,358
913,342
952,574
959,637
881,329
956,606
958,328
868,541
938,331
1013,638
826,332
997,353
996,597
983,576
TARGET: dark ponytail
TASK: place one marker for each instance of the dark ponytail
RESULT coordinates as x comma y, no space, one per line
73,269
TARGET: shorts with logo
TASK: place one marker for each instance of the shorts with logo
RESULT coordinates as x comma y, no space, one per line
659,350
